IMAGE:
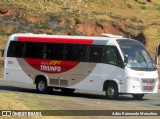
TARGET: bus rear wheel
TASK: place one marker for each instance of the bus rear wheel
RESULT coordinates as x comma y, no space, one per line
112,91
138,96
41,86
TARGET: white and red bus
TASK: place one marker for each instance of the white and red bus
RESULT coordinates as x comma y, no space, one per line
111,63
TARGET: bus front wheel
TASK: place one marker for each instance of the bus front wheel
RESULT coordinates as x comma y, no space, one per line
138,96
42,87
112,91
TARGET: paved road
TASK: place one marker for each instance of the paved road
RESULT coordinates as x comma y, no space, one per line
149,100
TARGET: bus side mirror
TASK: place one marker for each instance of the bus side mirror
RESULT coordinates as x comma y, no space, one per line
157,54
125,60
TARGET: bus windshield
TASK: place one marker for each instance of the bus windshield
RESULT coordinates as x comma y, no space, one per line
138,57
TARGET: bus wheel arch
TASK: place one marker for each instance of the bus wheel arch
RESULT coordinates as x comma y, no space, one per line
41,85
111,89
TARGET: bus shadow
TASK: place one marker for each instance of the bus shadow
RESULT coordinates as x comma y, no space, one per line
17,89
157,105
100,97
59,93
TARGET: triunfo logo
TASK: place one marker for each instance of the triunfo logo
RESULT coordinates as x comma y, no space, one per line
51,66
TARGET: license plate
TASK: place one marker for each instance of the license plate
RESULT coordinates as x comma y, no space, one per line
149,85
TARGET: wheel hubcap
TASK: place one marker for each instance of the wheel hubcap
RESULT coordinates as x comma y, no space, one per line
41,86
110,91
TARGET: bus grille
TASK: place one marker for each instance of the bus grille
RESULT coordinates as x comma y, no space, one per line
54,81
147,88
148,84
63,82
148,80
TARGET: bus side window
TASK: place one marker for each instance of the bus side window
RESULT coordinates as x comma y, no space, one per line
70,54
15,49
113,56
96,54
55,51
76,53
34,50
110,56
81,53
44,51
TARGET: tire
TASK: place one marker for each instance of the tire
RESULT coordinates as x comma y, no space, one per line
67,90
138,96
41,86
112,91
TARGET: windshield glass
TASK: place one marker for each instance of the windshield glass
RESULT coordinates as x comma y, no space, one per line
138,57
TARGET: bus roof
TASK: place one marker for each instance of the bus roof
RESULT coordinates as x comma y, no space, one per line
65,39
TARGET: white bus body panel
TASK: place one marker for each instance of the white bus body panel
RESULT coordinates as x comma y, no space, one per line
14,72
135,83
101,73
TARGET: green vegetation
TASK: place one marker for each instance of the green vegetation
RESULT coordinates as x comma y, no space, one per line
158,8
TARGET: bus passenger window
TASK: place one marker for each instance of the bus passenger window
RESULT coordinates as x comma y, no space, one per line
81,53
112,56
76,53
34,50
95,54
15,49
55,51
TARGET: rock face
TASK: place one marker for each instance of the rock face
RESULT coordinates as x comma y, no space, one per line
18,20
141,37
95,28
3,10
60,25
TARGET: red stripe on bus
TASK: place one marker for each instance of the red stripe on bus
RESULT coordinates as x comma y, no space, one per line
55,40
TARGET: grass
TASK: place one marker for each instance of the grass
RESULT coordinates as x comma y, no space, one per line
158,9
144,7
13,102
31,101
85,7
